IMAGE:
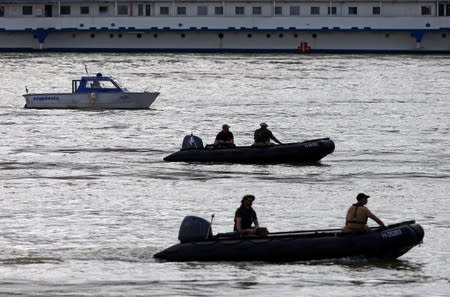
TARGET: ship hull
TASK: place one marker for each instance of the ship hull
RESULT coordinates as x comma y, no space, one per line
231,34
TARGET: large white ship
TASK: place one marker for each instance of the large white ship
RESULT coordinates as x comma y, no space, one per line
397,26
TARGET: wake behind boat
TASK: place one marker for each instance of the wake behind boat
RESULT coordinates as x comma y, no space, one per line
198,244
306,151
92,92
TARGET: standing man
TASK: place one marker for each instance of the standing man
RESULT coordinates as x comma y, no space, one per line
245,216
224,137
357,215
264,135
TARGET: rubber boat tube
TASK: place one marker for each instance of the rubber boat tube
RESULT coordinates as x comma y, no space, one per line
384,243
307,151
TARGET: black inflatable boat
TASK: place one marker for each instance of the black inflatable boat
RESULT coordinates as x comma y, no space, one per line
198,244
306,151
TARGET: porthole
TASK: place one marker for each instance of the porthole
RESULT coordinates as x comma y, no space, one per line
113,25
74,35
444,35
111,35
183,35
120,35
314,35
220,35
427,25
280,35
81,25
139,35
295,35
387,35
92,35
249,35
155,35
268,35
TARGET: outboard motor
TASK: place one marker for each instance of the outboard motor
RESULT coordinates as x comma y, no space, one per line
192,142
194,229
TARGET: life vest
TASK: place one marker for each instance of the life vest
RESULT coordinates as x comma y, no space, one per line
262,136
356,219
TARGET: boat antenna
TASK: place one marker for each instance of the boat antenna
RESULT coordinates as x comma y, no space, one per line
210,226
85,68
26,89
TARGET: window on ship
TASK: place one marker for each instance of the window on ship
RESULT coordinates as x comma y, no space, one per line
278,10
315,10
164,10
376,10
103,9
84,10
2,11
27,10
181,10
122,10
426,10
202,10
144,10
353,10
218,10
48,11
332,10
239,10
65,10
294,10
444,9
256,10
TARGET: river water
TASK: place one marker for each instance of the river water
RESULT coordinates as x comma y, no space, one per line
86,200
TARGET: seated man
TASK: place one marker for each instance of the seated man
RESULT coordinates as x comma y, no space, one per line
264,135
245,217
357,215
224,137
96,84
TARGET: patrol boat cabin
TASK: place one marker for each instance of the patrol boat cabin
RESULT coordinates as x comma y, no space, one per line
98,83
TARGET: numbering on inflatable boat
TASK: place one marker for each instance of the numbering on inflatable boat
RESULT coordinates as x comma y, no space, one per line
392,233
311,144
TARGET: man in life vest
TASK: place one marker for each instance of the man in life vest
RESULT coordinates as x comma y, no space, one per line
263,136
357,214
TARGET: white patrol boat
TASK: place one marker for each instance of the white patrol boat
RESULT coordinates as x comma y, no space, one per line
93,92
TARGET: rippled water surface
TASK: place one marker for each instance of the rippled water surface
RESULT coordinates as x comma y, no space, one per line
86,199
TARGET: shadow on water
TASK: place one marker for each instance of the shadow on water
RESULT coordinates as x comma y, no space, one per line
364,264
361,264
261,164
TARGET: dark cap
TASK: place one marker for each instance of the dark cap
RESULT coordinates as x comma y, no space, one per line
263,124
361,196
248,197
225,126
